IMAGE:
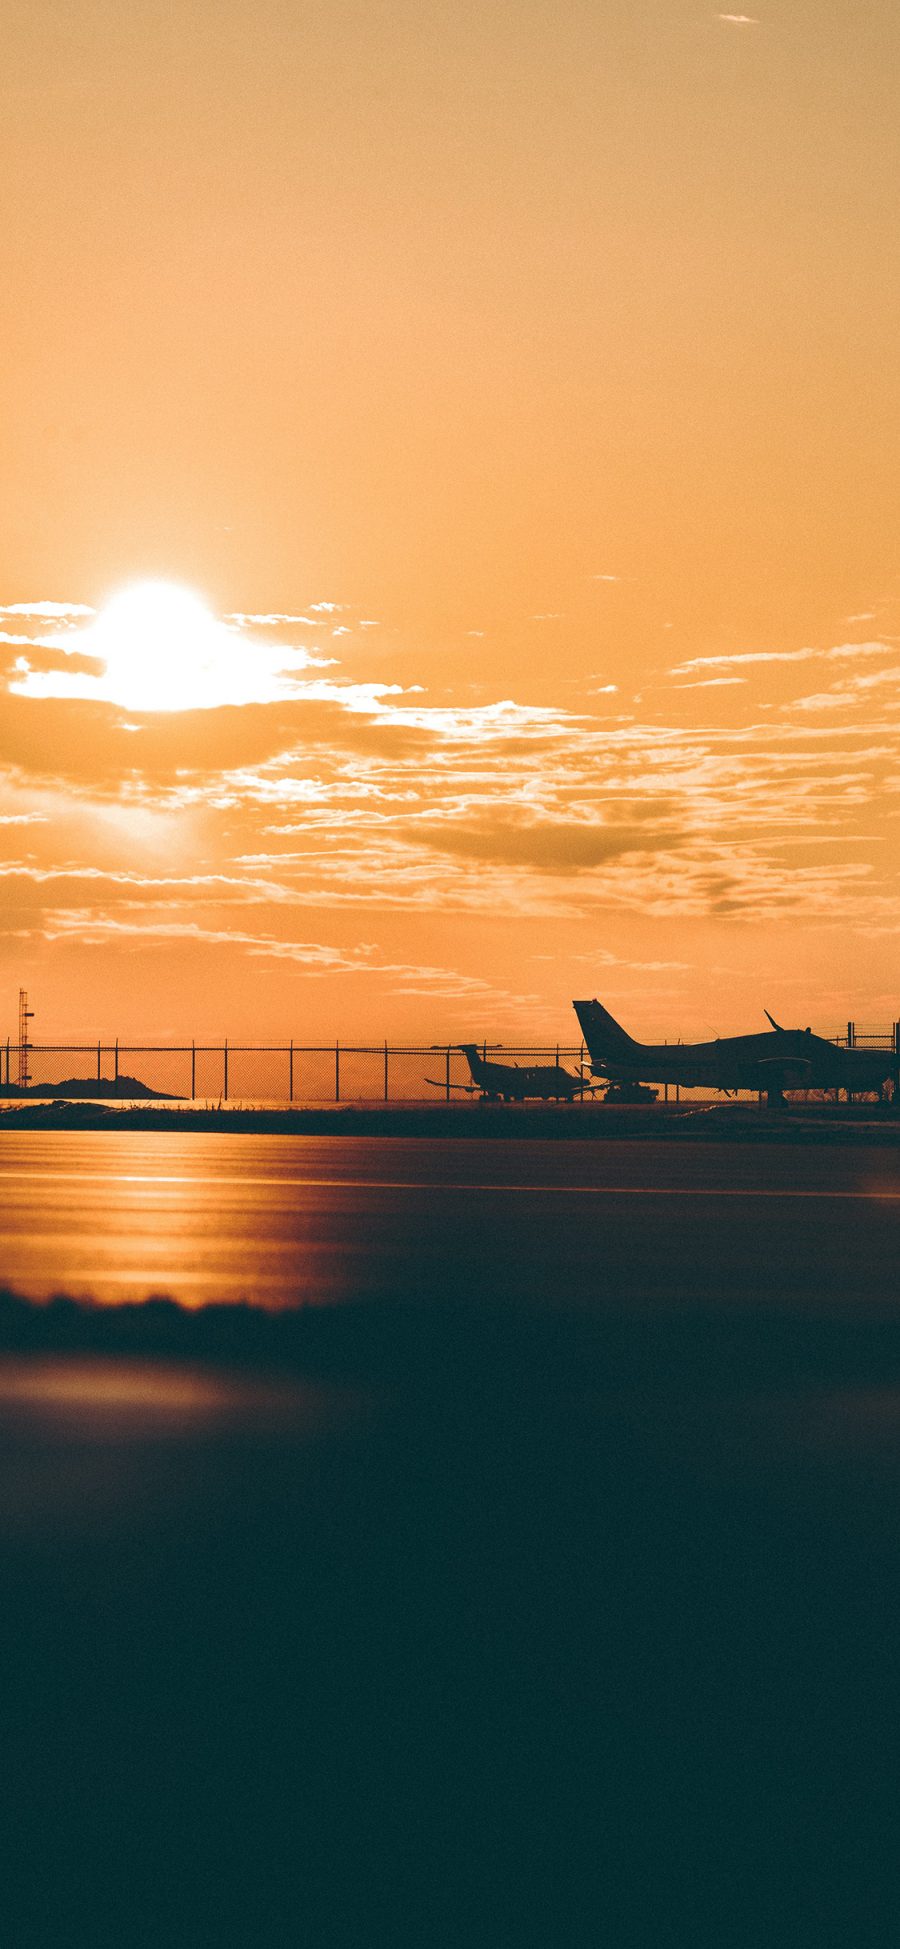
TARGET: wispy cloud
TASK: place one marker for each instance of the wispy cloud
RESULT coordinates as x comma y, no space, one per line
59,610
850,691
91,926
273,620
708,683
838,652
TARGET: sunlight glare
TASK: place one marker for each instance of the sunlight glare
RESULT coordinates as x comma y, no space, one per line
163,649
158,647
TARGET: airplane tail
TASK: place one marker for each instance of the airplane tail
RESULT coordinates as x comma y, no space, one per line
602,1033
473,1057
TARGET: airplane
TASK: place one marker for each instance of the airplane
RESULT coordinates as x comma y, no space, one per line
496,1080
775,1060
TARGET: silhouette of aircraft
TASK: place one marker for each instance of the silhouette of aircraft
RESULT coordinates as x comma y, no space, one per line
512,1084
774,1061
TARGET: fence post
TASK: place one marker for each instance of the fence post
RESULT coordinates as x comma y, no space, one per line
447,1076
225,1054
193,1071
337,1073
98,1062
291,1071
116,1072
7,1062
385,1070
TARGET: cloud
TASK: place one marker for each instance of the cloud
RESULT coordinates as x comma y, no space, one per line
45,884
850,691
739,20
709,683
269,619
552,847
345,796
59,610
478,722
94,927
840,652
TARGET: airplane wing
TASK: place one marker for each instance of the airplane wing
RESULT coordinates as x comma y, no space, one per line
468,1089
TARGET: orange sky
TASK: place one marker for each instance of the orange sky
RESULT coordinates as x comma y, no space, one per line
538,357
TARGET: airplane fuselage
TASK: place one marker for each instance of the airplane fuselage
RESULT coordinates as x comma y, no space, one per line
548,1081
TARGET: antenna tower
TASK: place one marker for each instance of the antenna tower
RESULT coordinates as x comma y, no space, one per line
25,1016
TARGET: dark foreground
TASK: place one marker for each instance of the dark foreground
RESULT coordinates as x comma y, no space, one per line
694,1118
450,1613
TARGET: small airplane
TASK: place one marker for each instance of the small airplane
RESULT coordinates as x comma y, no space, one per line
774,1061
507,1082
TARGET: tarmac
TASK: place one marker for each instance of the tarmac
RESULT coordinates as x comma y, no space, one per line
730,1122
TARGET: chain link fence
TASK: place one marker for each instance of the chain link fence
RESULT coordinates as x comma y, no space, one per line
290,1072
244,1073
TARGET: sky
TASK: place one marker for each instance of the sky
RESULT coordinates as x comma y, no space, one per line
449,556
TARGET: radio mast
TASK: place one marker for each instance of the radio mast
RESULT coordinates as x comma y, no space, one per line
25,1016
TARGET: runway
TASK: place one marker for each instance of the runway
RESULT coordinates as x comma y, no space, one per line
115,1214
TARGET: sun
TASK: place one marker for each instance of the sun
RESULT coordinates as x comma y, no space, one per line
163,649
156,646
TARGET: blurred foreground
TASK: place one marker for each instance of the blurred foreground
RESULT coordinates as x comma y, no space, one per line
457,1621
